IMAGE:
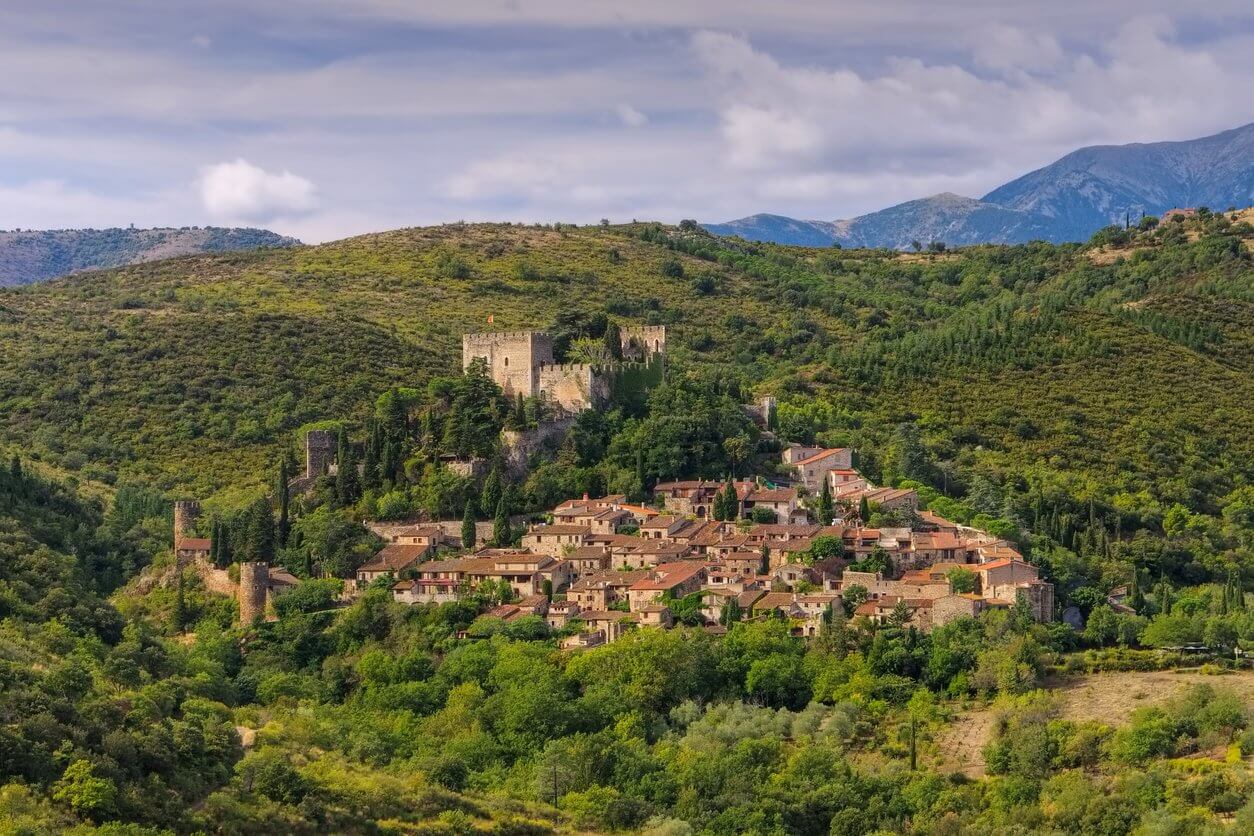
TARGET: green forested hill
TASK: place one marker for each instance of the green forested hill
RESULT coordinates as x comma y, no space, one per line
1092,403
1132,376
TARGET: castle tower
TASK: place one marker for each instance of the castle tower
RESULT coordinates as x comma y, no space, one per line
513,358
186,512
254,581
643,342
319,452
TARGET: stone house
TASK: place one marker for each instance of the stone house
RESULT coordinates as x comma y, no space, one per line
781,501
192,548
610,623
646,554
560,614
587,560
555,540
656,615
813,470
390,560
666,581
603,589
714,599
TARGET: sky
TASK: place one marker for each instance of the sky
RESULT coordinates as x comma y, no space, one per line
329,118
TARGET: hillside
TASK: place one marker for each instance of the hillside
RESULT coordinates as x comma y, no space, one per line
35,255
1091,403
955,220
1132,373
1096,186
1067,200
778,229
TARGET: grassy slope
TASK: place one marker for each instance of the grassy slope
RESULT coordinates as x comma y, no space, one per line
190,371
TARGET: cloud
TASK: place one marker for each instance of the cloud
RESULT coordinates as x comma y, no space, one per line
631,117
818,130
242,190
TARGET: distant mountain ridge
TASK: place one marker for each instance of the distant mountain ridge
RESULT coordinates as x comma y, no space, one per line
33,256
1067,200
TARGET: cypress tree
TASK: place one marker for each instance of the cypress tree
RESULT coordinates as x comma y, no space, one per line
259,532
492,491
864,510
347,488
644,485
468,525
824,507
225,553
502,536
613,339
285,523
372,473
178,618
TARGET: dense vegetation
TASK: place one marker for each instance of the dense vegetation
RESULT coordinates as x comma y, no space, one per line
1090,403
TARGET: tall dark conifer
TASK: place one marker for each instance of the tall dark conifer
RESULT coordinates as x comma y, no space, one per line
285,499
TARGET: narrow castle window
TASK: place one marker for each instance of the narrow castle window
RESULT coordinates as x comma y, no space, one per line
507,362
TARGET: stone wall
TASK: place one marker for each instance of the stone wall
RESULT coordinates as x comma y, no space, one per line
573,386
519,445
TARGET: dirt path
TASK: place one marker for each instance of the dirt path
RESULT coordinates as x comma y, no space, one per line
962,744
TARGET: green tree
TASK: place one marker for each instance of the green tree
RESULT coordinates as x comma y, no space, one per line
347,484
613,339
284,493
864,510
258,532
493,486
1102,628
86,793
468,525
502,535
178,617
823,508
961,580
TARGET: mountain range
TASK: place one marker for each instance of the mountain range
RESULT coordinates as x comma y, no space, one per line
1067,200
28,256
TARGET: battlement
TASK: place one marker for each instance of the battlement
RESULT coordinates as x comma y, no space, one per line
501,336
522,363
643,341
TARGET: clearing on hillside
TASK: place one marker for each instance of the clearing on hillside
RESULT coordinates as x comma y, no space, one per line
1108,697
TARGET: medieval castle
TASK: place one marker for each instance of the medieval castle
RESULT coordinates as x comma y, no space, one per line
521,363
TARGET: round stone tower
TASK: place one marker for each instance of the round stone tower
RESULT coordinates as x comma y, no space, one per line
186,512
254,579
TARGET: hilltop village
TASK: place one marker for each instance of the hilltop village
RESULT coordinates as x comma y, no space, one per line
707,553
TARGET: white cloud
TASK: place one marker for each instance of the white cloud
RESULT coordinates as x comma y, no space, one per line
631,117
814,132
240,189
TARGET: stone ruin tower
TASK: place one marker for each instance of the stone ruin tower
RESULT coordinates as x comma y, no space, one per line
319,452
254,582
186,512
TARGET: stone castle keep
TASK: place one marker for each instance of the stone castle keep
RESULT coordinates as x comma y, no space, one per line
521,362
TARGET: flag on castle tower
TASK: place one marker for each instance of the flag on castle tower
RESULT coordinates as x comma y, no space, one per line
489,319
